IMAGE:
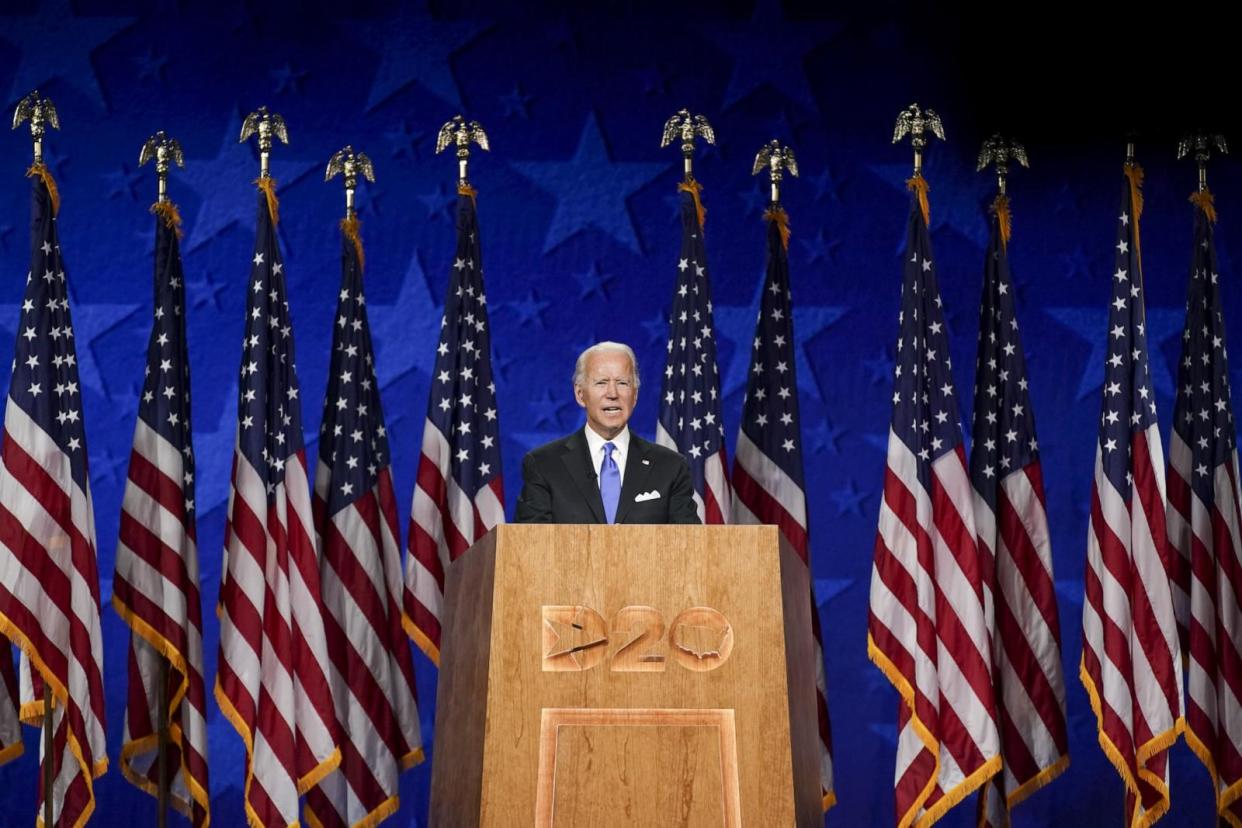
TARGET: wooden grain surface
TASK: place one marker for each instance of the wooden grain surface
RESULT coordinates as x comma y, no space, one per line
668,570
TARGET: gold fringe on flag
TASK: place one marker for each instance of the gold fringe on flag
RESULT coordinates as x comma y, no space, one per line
169,213
352,228
268,186
1203,199
778,215
465,189
695,189
918,184
40,169
1001,208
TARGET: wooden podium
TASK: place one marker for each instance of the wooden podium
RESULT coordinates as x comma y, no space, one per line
627,675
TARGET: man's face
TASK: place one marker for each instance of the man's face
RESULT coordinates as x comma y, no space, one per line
607,392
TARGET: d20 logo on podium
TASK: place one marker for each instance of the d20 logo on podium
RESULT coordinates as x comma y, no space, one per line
577,638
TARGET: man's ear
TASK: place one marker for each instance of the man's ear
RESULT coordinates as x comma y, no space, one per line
579,396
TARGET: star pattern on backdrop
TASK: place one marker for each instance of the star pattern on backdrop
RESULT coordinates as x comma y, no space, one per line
879,367
1090,323
92,321
403,141
592,282
224,184
436,201
125,182
1078,264
528,312
286,80
74,37
823,436
755,201
848,499
516,103
826,185
150,65
591,190
819,249
769,50
826,589
213,452
405,329
656,327
413,47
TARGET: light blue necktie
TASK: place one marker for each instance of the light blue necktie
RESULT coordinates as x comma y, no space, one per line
610,483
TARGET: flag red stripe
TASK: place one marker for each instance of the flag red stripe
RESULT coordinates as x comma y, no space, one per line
768,509
159,486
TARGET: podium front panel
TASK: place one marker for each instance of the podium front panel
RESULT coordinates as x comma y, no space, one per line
634,675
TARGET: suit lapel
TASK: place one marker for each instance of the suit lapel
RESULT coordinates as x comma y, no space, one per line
577,459
636,474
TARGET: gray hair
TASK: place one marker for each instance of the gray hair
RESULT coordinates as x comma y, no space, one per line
604,348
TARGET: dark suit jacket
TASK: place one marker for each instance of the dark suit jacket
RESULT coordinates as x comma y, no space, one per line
559,485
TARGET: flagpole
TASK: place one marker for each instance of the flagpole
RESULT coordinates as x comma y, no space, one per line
999,151
349,164
48,776
41,113
920,124
459,132
1201,145
779,159
164,151
685,126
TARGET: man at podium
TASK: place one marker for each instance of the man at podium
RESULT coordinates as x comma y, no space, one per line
604,473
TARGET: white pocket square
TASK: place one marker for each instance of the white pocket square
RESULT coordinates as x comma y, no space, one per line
651,495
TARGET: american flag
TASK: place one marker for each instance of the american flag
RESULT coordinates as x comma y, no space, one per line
459,493
690,421
1131,662
49,578
272,678
1014,547
156,589
1205,528
927,629
767,470
356,517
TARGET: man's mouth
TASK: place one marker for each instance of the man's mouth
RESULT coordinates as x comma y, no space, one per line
612,409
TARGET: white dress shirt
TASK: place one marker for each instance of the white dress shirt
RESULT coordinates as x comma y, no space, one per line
620,451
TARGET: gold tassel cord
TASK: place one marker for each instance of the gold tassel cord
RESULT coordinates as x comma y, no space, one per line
695,189
40,169
465,189
781,218
352,228
1135,173
167,211
1000,207
918,184
1205,201
268,186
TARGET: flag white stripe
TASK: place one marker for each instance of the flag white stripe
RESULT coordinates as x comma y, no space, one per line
771,478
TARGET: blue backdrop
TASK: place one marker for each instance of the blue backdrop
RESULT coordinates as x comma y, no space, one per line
579,222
